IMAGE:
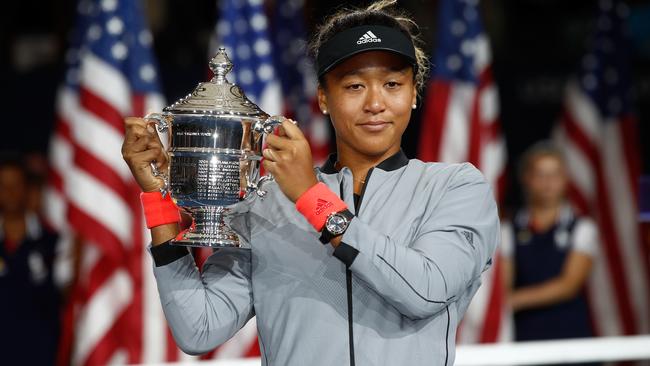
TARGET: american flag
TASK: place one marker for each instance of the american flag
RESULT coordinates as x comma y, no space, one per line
597,132
271,63
92,196
272,67
298,77
243,29
461,123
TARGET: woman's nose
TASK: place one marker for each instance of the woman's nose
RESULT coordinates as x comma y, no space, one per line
375,102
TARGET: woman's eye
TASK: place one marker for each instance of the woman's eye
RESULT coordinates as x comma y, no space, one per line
354,86
392,84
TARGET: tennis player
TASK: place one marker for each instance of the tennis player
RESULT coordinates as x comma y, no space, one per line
371,259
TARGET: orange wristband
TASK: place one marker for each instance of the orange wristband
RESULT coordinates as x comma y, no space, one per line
317,203
158,210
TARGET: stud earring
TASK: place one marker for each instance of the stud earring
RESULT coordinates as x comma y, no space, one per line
324,111
414,106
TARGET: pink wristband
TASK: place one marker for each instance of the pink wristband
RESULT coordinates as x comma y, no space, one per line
317,203
158,210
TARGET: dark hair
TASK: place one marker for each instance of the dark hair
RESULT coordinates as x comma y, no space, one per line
378,13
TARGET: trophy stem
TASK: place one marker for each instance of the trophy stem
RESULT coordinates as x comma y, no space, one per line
210,230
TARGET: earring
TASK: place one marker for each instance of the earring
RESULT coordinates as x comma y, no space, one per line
324,111
414,106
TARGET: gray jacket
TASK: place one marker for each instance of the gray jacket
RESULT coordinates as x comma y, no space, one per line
391,294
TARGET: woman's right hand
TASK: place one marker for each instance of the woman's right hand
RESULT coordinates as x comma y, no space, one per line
141,147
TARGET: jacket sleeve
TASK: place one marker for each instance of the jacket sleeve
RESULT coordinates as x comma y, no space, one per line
205,309
453,246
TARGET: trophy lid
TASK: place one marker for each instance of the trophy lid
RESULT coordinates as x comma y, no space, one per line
217,96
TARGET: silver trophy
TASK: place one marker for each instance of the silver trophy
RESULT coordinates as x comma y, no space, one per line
215,137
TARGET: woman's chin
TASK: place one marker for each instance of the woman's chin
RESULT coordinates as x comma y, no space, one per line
375,150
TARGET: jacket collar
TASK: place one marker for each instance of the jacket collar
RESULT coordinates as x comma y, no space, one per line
393,162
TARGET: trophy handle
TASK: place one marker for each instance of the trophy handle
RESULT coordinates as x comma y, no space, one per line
267,127
161,121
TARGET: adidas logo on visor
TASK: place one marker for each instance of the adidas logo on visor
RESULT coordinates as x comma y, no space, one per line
368,37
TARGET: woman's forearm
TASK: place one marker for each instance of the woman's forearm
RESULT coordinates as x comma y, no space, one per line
558,289
546,293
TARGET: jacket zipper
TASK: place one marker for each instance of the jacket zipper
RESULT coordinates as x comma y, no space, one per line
348,280
348,273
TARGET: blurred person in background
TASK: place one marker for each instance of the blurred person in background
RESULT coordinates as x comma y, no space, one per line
548,251
36,165
29,309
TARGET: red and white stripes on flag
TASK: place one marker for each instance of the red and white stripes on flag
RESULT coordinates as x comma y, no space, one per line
460,123
92,195
601,164
598,134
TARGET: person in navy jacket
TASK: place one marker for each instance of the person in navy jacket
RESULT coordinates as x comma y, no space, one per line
548,252
30,299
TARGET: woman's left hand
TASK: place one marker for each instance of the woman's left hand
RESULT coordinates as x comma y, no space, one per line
288,158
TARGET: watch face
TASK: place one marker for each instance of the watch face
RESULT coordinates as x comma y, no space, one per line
336,224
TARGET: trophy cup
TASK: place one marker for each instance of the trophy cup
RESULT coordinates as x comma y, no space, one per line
215,137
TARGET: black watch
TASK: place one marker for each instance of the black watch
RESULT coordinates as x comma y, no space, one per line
335,225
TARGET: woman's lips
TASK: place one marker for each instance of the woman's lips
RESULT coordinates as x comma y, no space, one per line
374,126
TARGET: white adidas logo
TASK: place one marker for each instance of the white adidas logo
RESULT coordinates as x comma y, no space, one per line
368,37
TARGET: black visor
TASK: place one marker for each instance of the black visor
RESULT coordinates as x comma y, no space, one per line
360,39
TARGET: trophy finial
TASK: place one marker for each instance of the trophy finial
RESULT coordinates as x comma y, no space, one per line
220,66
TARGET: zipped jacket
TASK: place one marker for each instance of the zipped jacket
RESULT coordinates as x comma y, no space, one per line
392,293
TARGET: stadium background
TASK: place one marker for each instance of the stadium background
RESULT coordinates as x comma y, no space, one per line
537,46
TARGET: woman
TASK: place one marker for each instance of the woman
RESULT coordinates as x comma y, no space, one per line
405,242
548,253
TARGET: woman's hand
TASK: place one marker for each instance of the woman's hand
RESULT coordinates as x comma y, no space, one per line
288,158
141,147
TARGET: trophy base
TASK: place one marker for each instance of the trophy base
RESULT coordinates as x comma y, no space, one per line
210,230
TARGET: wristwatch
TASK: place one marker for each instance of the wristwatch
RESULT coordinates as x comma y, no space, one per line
335,225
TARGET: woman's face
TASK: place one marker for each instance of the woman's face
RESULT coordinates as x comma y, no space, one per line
369,98
545,180
13,190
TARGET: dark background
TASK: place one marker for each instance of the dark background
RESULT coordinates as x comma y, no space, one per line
537,45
